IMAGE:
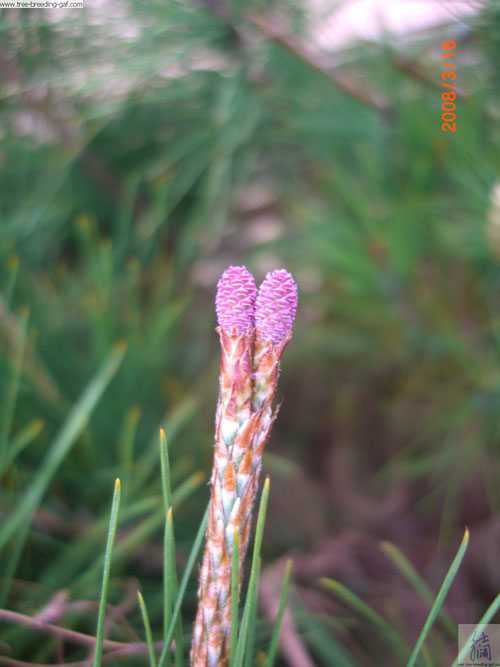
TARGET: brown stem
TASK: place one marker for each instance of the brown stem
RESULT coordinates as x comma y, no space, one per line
367,97
130,650
11,662
415,72
116,649
56,631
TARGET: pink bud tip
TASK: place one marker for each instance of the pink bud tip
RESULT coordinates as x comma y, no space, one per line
276,306
235,300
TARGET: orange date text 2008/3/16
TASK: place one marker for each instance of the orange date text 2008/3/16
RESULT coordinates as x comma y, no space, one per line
447,81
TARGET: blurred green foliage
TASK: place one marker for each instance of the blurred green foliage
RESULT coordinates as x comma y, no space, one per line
129,136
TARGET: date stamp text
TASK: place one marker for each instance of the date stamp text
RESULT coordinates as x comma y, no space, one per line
448,78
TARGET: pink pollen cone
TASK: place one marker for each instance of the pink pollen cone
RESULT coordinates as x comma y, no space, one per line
276,306
235,300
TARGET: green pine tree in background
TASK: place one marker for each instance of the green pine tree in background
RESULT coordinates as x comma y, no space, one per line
144,147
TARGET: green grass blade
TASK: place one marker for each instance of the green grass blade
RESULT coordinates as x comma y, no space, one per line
126,444
244,638
175,419
71,561
113,522
486,618
22,439
195,550
168,594
147,630
13,556
170,576
68,435
252,618
261,519
140,533
235,594
322,639
12,388
250,601
411,575
165,472
353,601
170,580
285,587
13,269
440,598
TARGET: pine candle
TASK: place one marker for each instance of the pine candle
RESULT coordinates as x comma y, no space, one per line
254,329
